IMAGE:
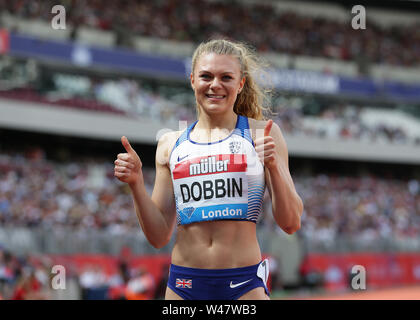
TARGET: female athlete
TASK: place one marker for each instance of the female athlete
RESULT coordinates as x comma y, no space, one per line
210,182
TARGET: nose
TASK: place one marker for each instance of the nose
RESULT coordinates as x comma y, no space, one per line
215,83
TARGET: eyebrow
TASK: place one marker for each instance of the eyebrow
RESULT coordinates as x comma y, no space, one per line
225,72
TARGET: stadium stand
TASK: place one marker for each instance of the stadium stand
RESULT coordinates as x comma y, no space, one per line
308,115
194,21
84,195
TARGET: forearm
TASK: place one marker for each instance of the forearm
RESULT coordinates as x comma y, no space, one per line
286,203
151,219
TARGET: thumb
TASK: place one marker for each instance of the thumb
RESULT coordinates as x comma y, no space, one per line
267,128
126,144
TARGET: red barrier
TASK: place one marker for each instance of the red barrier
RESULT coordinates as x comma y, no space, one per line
382,270
4,41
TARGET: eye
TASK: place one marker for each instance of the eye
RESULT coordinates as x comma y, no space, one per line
227,77
205,76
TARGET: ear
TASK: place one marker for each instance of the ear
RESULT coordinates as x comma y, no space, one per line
192,80
241,84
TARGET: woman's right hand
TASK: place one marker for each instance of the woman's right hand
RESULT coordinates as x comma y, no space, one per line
128,165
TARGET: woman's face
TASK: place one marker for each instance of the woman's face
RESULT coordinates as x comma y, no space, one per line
216,81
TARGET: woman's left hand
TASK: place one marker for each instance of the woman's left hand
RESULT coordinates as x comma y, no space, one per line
265,147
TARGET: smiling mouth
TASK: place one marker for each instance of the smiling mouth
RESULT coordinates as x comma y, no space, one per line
215,96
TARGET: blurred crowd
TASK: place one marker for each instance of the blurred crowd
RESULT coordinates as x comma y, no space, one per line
297,114
258,24
345,120
79,194
22,278
32,277
367,208
128,283
84,195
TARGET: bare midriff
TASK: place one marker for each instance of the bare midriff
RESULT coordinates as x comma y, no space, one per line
216,245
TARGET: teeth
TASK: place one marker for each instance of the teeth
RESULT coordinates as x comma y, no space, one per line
213,96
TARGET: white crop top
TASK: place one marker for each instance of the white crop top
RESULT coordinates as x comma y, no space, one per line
222,180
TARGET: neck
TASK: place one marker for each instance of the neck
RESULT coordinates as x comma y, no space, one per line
224,121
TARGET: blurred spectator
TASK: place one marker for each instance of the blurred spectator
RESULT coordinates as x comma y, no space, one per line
28,286
118,282
162,285
93,283
275,274
310,277
141,286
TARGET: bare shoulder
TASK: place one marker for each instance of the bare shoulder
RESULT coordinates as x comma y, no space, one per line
165,145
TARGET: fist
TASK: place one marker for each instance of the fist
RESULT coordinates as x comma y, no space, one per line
128,165
265,147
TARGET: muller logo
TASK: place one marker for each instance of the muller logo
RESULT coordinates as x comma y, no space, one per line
209,165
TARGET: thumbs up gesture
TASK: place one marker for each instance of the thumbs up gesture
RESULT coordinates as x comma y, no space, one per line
128,165
265,147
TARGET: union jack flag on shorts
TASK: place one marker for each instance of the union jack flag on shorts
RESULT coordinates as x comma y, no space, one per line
182,283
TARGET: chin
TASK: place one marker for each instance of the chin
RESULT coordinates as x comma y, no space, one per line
215,107
215,110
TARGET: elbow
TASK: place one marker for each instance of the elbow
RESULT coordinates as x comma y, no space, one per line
158,238
291,229
159,243
295,224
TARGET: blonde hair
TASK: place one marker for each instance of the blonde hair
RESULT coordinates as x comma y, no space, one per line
252,100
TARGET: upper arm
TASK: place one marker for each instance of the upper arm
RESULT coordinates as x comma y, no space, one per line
163,195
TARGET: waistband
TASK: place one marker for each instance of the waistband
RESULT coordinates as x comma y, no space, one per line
217,273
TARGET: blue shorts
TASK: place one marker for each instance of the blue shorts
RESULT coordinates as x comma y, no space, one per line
217,284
